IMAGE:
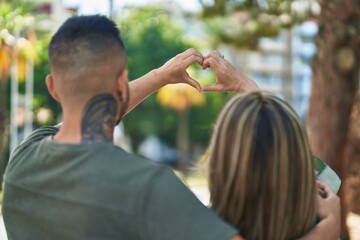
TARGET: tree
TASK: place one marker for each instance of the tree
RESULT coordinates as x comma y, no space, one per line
336,66
335,83
241,23
352,165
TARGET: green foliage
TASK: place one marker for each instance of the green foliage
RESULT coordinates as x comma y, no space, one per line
15,15
151,38
241,23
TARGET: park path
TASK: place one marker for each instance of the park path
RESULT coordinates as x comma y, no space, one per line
3,235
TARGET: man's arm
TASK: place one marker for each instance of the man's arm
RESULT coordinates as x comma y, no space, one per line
173,71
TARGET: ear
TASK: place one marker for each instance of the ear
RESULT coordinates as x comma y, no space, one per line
50,86
122,84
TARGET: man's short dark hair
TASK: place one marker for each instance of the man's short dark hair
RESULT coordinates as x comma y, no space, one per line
84,41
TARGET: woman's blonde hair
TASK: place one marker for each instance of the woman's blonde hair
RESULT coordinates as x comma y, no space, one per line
261,172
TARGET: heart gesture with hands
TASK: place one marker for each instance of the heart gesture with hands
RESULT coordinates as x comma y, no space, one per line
228,78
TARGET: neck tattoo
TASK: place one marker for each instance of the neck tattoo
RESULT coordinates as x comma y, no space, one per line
99,119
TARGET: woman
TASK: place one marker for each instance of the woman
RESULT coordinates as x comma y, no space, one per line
261,170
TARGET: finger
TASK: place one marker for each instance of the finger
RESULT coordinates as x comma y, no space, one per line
211,62
322,186
319,199
205,65
212,88
219,53
215,60
325,189
214,54
322,193
192,59
193,83
190,52
197,54
186,53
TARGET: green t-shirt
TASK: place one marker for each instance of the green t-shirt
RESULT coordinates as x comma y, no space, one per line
98,191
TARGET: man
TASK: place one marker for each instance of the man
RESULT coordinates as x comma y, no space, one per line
71,182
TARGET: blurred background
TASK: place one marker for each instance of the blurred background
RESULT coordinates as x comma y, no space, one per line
306,51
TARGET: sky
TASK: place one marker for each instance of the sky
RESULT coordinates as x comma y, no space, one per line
102,6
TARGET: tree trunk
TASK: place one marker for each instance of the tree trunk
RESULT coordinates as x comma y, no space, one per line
335,81
352,181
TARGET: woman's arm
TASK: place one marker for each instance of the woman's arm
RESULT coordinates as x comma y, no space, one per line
328,213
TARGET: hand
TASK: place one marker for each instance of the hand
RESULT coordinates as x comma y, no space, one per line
174,70
328,202
228,78
328,207
328,211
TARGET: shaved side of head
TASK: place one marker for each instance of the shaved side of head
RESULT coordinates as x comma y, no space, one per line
86,56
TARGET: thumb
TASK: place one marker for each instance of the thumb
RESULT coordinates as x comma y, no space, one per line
193,83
